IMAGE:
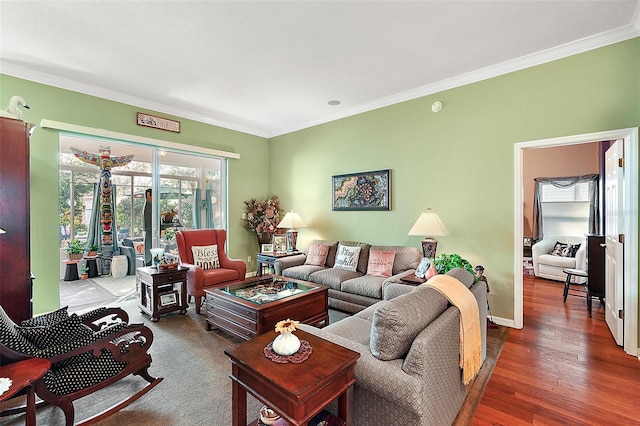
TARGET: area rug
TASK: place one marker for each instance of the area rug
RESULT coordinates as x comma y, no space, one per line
196,389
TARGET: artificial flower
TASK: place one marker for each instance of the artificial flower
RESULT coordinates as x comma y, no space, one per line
287,326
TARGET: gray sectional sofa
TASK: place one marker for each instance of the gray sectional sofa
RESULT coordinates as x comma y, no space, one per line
350,291
409,344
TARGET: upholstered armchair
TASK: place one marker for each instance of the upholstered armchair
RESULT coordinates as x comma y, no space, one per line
549,265
222,273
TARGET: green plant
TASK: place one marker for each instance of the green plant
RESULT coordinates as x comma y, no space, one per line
84,269
445,262
93,247
75,247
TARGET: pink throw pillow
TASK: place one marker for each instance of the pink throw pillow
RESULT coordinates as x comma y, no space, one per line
317,255
139,248
380,263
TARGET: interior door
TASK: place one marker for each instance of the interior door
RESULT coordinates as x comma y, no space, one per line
614,266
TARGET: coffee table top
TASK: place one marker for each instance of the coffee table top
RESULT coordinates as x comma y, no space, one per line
298,381
267,289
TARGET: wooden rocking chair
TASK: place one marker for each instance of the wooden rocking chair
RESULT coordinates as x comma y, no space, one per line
87,352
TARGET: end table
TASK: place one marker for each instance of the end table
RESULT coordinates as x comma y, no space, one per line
162,291
24,374
269,258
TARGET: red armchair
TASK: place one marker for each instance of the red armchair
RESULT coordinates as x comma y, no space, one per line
230,270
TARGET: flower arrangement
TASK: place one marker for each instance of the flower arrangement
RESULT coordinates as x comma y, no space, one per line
262,216
287,326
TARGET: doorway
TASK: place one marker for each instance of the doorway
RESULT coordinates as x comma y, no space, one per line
630,226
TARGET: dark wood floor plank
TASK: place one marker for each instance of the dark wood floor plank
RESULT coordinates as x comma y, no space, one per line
561,368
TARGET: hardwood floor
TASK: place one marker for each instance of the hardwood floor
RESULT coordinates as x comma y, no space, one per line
561,368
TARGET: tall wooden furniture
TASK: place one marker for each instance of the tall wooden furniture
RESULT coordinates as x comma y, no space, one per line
15,264
595,265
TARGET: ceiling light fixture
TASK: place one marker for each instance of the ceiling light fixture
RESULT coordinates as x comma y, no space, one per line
334,102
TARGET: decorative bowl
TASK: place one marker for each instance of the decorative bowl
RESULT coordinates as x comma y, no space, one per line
268,416
166,266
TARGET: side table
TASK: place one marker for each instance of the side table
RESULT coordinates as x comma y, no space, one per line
24,374
71,270
92,266
161,291
297,392
269,258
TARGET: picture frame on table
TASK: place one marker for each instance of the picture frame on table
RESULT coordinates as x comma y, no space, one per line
280,243
168,299
422,268
267,248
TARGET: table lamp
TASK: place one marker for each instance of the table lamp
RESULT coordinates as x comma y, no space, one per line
292,220
429,224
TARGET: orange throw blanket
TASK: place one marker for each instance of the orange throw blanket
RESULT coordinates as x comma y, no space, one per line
470,336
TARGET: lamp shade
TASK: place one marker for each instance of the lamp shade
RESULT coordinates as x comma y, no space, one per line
429,224
292,220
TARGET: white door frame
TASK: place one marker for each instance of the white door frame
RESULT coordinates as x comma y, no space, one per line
630,226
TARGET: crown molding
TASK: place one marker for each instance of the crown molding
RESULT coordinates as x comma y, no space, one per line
559,52
112,95
538,58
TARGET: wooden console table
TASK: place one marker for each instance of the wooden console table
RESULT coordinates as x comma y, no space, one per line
162,292
297,392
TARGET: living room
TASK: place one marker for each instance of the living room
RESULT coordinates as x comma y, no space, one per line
458,161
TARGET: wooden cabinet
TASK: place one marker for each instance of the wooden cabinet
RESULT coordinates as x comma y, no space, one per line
15,263
595,264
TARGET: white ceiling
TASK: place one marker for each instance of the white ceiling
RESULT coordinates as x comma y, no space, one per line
271,67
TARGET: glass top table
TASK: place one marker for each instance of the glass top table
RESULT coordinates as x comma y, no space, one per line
267,289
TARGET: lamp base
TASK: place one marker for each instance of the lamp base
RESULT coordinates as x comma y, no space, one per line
429,246
292,238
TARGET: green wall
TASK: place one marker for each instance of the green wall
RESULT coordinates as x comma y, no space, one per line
460,161
246,175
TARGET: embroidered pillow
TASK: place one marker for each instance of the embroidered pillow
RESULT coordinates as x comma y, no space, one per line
206,257
380,263
67,330
571,250
558,249
317,255
139,248
347,257
48,319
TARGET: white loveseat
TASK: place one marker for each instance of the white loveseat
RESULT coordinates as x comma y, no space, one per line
546,265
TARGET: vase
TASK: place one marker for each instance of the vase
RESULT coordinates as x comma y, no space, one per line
286,344
264,238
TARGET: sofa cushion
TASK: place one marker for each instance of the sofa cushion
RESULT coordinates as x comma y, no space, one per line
406,257
64,331
565,249
347,257
331,277
380,263
397,322
301,272
363,259
355,329
331,255
206,257
557,261
367,285
317,255
48,319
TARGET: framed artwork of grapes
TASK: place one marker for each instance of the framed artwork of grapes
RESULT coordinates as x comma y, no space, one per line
362,191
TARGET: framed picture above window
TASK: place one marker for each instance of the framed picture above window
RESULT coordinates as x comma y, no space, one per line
362,191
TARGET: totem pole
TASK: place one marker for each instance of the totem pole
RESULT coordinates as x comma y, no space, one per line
105,161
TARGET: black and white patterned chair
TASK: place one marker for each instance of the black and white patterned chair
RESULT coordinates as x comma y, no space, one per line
87,353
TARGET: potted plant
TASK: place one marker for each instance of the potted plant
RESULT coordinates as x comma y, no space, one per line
74,249
262,217
445,262
84,272
92,250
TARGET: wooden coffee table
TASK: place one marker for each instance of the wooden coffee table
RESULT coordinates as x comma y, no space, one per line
297,392
253,307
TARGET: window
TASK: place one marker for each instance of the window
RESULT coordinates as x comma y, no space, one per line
566,206
184,179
